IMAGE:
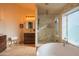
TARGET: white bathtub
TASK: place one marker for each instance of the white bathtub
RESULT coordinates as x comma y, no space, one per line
57,49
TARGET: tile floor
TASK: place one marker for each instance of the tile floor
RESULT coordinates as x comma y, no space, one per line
19,50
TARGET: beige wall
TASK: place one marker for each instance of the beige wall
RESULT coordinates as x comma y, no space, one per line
11,15
9,18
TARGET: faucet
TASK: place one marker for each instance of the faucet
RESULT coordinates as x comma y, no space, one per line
65,42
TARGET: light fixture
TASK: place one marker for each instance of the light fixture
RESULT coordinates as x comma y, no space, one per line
30,17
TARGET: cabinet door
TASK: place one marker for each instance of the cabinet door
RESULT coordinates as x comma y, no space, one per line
29,38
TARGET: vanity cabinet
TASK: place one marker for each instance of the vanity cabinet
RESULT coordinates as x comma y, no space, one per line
29,38
2,43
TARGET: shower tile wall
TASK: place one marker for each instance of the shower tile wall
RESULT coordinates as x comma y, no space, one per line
46,29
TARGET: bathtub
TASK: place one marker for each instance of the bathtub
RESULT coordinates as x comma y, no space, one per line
57,49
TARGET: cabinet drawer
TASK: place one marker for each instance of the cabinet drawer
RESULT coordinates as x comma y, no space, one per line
29,38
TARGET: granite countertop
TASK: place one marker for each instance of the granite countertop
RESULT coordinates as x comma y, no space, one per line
28,31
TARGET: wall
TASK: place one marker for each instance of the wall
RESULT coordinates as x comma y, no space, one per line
9,18
28,10
11,15
46,31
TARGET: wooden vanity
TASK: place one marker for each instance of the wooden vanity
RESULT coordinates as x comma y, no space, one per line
29,38
2,42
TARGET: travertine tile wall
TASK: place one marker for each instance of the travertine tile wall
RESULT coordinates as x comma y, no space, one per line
47,34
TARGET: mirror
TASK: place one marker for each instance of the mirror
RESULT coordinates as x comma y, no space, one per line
30,25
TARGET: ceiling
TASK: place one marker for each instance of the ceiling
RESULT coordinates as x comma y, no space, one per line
28,6
47,8
50,8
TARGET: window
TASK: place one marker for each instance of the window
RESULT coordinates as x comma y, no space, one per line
70,27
